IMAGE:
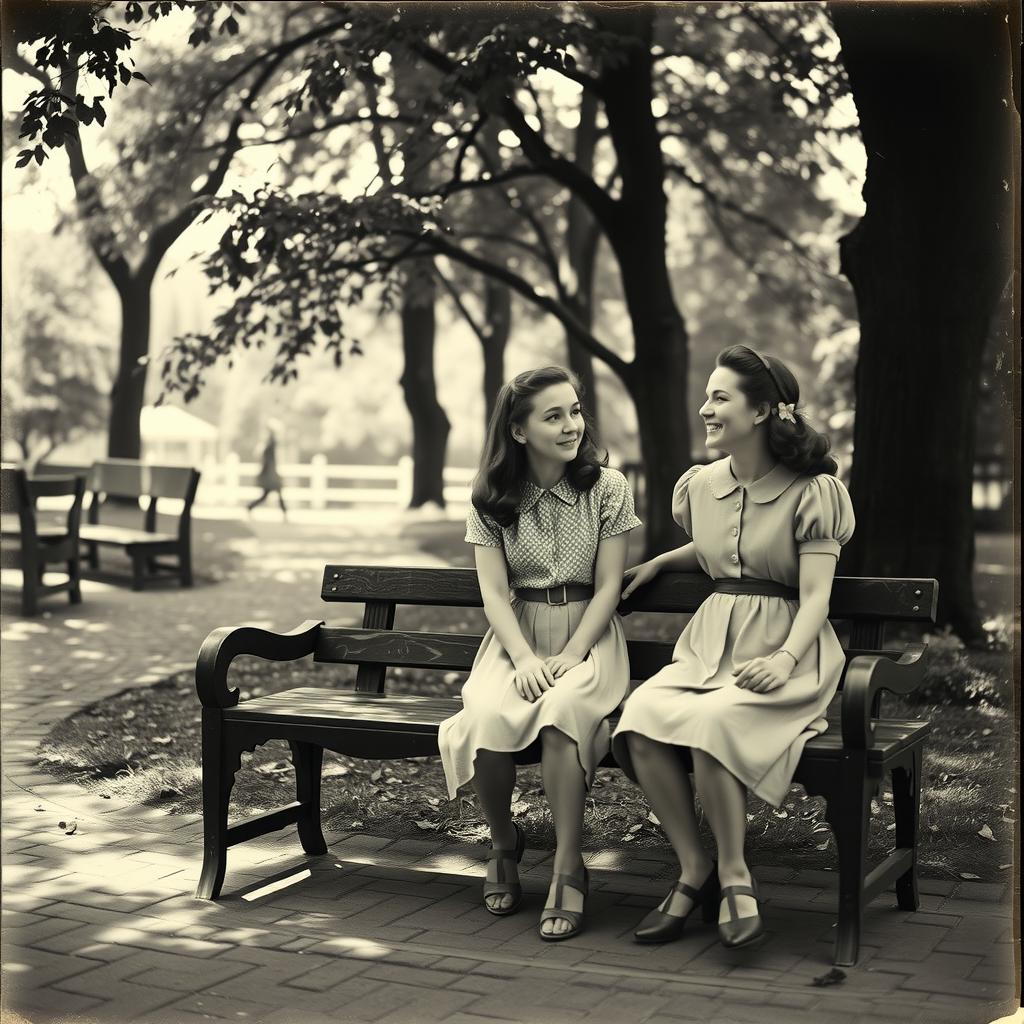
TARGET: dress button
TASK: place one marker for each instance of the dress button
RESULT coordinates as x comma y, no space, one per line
735,531
738,506
734,558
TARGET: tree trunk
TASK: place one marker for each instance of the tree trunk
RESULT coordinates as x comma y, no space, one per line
581,249
497,327
429,423
927,263
124,439
657,382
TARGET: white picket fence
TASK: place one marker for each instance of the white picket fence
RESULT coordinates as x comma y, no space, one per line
318,484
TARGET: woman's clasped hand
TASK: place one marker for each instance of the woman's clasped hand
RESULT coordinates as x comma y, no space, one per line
762,675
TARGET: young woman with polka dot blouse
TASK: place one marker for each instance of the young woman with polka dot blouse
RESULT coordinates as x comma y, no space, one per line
549,523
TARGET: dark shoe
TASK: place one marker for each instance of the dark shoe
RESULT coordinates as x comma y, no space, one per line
557,912
500,887
740,931
659,926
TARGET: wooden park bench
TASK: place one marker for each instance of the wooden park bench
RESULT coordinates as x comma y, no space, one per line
845,765
128,478
31,545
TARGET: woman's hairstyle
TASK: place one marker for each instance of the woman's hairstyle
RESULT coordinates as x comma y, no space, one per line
498,486
791,439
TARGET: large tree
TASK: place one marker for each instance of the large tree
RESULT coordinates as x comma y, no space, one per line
649,79
928,263
172,148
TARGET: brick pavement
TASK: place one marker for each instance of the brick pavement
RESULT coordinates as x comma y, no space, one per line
101,925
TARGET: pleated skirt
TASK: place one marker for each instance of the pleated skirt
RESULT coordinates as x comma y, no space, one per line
495,717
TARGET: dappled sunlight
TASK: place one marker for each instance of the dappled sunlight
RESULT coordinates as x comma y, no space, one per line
277,886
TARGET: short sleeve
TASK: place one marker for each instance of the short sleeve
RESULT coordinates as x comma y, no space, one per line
481,529
616,505
681,500
824,516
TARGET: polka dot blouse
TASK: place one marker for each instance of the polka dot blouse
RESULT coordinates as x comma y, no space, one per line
555,538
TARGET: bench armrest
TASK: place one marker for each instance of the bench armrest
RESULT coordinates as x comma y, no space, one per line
867,675
223,645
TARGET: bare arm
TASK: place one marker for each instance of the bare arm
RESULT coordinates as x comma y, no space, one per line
817,571
532,675
682,559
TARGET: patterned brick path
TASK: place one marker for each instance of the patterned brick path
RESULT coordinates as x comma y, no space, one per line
102,925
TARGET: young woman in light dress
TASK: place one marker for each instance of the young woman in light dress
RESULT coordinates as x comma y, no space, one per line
756,667
549,523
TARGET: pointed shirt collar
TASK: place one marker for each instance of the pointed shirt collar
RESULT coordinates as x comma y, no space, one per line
563,490
767,488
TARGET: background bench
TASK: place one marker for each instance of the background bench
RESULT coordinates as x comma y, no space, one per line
846,765
30,545
128,478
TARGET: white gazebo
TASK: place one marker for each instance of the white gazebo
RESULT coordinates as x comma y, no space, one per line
172,435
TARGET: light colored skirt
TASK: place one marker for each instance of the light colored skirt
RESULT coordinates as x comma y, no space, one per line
495,717
694,702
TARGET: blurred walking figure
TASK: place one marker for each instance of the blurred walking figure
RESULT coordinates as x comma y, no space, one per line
268,478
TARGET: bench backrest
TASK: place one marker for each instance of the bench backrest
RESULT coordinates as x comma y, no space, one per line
18,494
869,603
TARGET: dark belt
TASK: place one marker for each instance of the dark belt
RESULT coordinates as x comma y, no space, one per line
562,594
763,588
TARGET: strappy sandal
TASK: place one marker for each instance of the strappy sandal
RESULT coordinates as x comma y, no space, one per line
500,887
558,912
740,931
660,926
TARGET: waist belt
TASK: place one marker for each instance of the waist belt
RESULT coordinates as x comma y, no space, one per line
763,588
562,594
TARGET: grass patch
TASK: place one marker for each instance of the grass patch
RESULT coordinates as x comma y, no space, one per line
144,746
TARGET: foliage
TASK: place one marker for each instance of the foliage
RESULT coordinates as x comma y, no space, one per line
727,79
56,365
81,35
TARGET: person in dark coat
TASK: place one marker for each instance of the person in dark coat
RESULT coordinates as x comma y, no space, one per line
268,479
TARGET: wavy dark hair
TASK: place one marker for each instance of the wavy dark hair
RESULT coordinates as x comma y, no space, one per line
766,379
498,485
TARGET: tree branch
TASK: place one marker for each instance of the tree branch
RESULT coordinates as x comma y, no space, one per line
534,145
519,284
478,329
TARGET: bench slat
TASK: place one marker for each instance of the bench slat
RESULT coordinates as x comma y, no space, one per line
853,597
317,706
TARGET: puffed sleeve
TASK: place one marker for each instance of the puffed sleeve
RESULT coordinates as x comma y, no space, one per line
482,529
681,500
824,517
616,505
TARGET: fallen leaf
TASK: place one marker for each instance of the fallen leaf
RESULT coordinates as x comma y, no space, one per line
634,828
39,807
356,824
162,740
428,826
433,801
128,715
969,877
653,818
822,846
832,977
70,827
1003,867
375,775
986,833
333,771
781,814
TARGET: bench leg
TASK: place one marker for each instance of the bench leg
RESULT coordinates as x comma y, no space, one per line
138,572
75,576
93,555
185,560
308,759
219,767
849,811
31,574
906,802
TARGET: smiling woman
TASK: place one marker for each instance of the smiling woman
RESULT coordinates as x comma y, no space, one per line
549,521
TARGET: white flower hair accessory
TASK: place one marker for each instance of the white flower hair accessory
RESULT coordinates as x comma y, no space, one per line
785,412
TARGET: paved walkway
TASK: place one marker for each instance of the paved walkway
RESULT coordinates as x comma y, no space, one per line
101,924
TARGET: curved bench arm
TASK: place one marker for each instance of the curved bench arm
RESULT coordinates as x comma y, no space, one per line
223,645
868,674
